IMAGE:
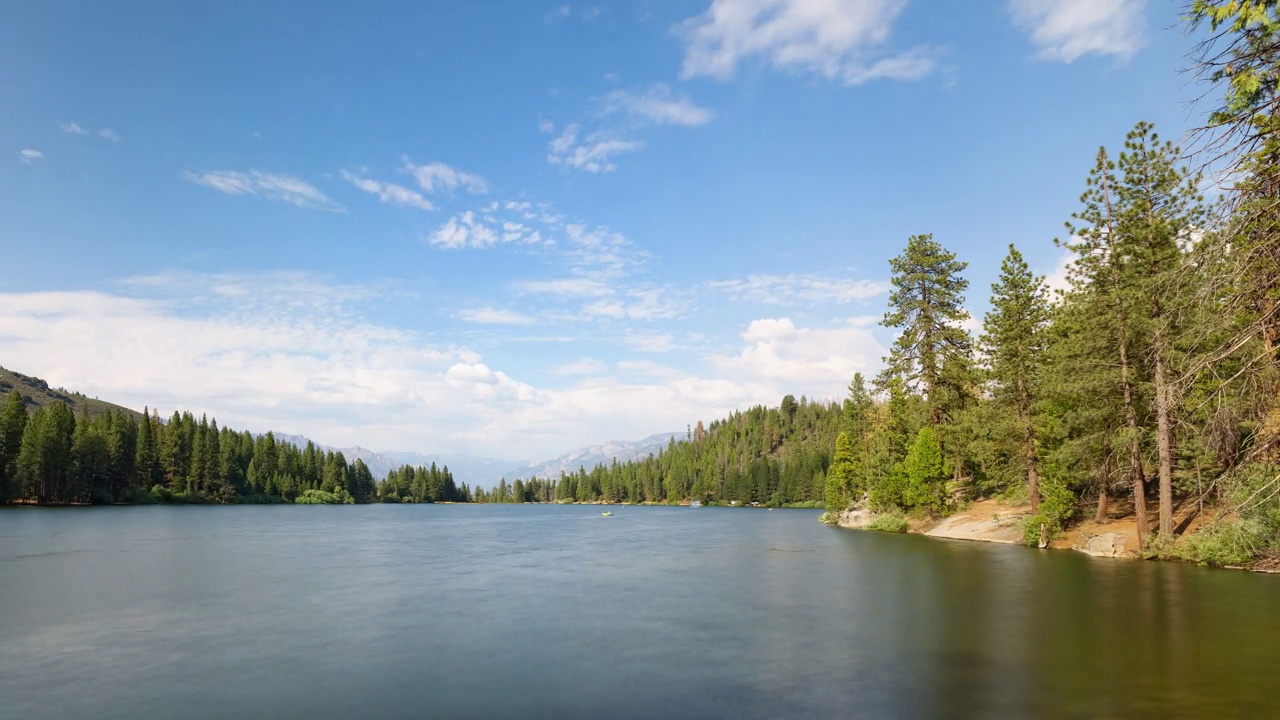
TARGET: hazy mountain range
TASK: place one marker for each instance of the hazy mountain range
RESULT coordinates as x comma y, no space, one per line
485,472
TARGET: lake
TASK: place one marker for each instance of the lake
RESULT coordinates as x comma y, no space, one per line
419,611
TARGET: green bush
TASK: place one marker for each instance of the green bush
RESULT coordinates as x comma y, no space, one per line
1057,506
1225,542
320,497
895,522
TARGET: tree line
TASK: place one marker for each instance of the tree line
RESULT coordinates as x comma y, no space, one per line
51,456
771,456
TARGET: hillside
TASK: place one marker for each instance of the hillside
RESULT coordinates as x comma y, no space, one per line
774,456
38,394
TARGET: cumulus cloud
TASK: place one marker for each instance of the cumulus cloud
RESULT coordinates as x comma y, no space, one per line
1065,30
800,289
1058,278
28,156
813,361
438,177
292,352
269,186
842,40
389,193
72,129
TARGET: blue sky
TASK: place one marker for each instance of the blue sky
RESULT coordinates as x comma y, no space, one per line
517,228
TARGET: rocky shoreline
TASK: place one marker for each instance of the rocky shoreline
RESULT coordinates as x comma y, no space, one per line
990,521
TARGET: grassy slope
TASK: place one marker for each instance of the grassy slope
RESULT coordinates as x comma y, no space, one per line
38,393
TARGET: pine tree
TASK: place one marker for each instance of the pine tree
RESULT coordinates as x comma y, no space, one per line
841,476
1161,208
1103,275
13,421
1014,346
927,308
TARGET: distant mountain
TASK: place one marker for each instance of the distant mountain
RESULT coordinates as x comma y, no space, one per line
38,394
470,469
592,455
485,472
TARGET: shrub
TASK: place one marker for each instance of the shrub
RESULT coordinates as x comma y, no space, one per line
1224,542
895,522
1057,505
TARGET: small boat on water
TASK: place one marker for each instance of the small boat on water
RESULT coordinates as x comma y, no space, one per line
606,513
695,503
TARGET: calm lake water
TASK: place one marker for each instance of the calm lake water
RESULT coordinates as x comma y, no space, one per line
552,611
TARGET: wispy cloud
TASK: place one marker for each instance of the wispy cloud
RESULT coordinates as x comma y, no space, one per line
800,289
72,129
649,342
842,41
389,193
269,186
573,287
1065,30
438,177
463,231
27,156
495,316
614,122
585,366
109,134
657,105
593,153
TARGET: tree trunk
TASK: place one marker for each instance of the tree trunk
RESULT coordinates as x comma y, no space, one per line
1033,477
1136,478
1164,438
1104,479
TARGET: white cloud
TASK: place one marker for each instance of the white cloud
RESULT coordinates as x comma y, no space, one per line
565,286
28,156
270,186
600,251
593,153
72,129
649,342
656,105
291,352
800,289
841,40
1068,29
463,231
389,193
437,177
495,316
109,134
1058,278
813,361
585,366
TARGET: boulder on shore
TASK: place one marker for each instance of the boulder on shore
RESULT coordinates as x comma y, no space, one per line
1107,544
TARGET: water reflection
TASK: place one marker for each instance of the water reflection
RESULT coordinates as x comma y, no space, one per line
414,612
